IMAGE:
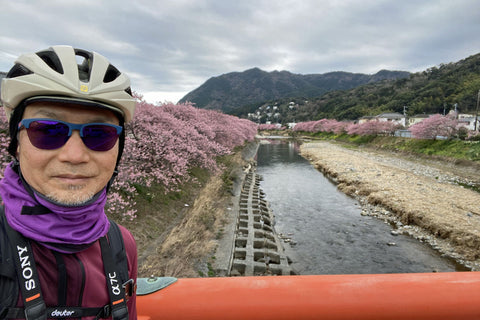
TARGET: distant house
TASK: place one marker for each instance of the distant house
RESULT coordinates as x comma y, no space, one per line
392,117
467,121
417,118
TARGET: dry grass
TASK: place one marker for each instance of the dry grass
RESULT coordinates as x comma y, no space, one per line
193,238
177,235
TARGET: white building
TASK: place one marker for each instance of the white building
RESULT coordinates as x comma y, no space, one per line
392,117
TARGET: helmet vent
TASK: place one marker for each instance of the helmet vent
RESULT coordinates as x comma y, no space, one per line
111,74
84,62
129,91
18,70
51,59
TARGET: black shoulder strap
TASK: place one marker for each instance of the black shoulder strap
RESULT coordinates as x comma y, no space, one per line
8,276
115,239
115,286
35,308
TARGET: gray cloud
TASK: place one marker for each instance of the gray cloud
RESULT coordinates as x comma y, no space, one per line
172,47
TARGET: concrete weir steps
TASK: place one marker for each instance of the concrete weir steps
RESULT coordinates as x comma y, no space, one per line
257,248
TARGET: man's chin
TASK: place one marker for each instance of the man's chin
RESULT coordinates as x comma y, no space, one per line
70,199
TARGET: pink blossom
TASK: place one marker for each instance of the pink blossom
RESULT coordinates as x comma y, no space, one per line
434,126
163,143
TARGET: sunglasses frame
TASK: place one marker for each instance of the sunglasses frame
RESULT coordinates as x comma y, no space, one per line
71,126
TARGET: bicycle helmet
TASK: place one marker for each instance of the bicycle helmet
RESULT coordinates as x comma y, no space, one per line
69,75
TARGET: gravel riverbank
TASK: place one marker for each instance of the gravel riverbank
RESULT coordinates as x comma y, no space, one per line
424,198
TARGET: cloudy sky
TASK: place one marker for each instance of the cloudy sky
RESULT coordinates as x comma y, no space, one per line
169,48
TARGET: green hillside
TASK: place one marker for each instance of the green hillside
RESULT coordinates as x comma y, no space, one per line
435,90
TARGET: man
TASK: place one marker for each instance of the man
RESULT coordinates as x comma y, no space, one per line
66,109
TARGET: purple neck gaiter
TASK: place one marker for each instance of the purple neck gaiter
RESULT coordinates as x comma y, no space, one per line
58,226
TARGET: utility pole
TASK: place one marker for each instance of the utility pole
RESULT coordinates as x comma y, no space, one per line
476,111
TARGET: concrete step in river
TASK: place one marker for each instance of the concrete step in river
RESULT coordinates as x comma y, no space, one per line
258,249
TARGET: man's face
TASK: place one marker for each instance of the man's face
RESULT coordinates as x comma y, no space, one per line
71,174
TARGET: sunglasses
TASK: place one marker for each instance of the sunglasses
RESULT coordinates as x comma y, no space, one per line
51,134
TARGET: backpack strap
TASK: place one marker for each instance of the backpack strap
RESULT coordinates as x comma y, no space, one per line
115,239
117,245
8,275
116,290
62,278
7,270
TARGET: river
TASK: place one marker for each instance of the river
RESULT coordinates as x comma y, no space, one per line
328,233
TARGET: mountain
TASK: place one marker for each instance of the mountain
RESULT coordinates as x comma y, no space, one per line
235,90
439,89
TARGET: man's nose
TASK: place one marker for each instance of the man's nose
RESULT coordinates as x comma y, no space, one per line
74,150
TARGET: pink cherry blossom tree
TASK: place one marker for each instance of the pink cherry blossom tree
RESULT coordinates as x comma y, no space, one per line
164,142
264,126
5,157
435,126
339,127
307,126
373,127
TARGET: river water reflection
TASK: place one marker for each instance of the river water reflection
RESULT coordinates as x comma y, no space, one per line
330,234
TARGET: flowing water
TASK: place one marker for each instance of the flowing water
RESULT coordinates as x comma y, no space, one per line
328,234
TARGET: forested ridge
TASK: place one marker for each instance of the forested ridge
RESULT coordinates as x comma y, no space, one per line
235,90
435,90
